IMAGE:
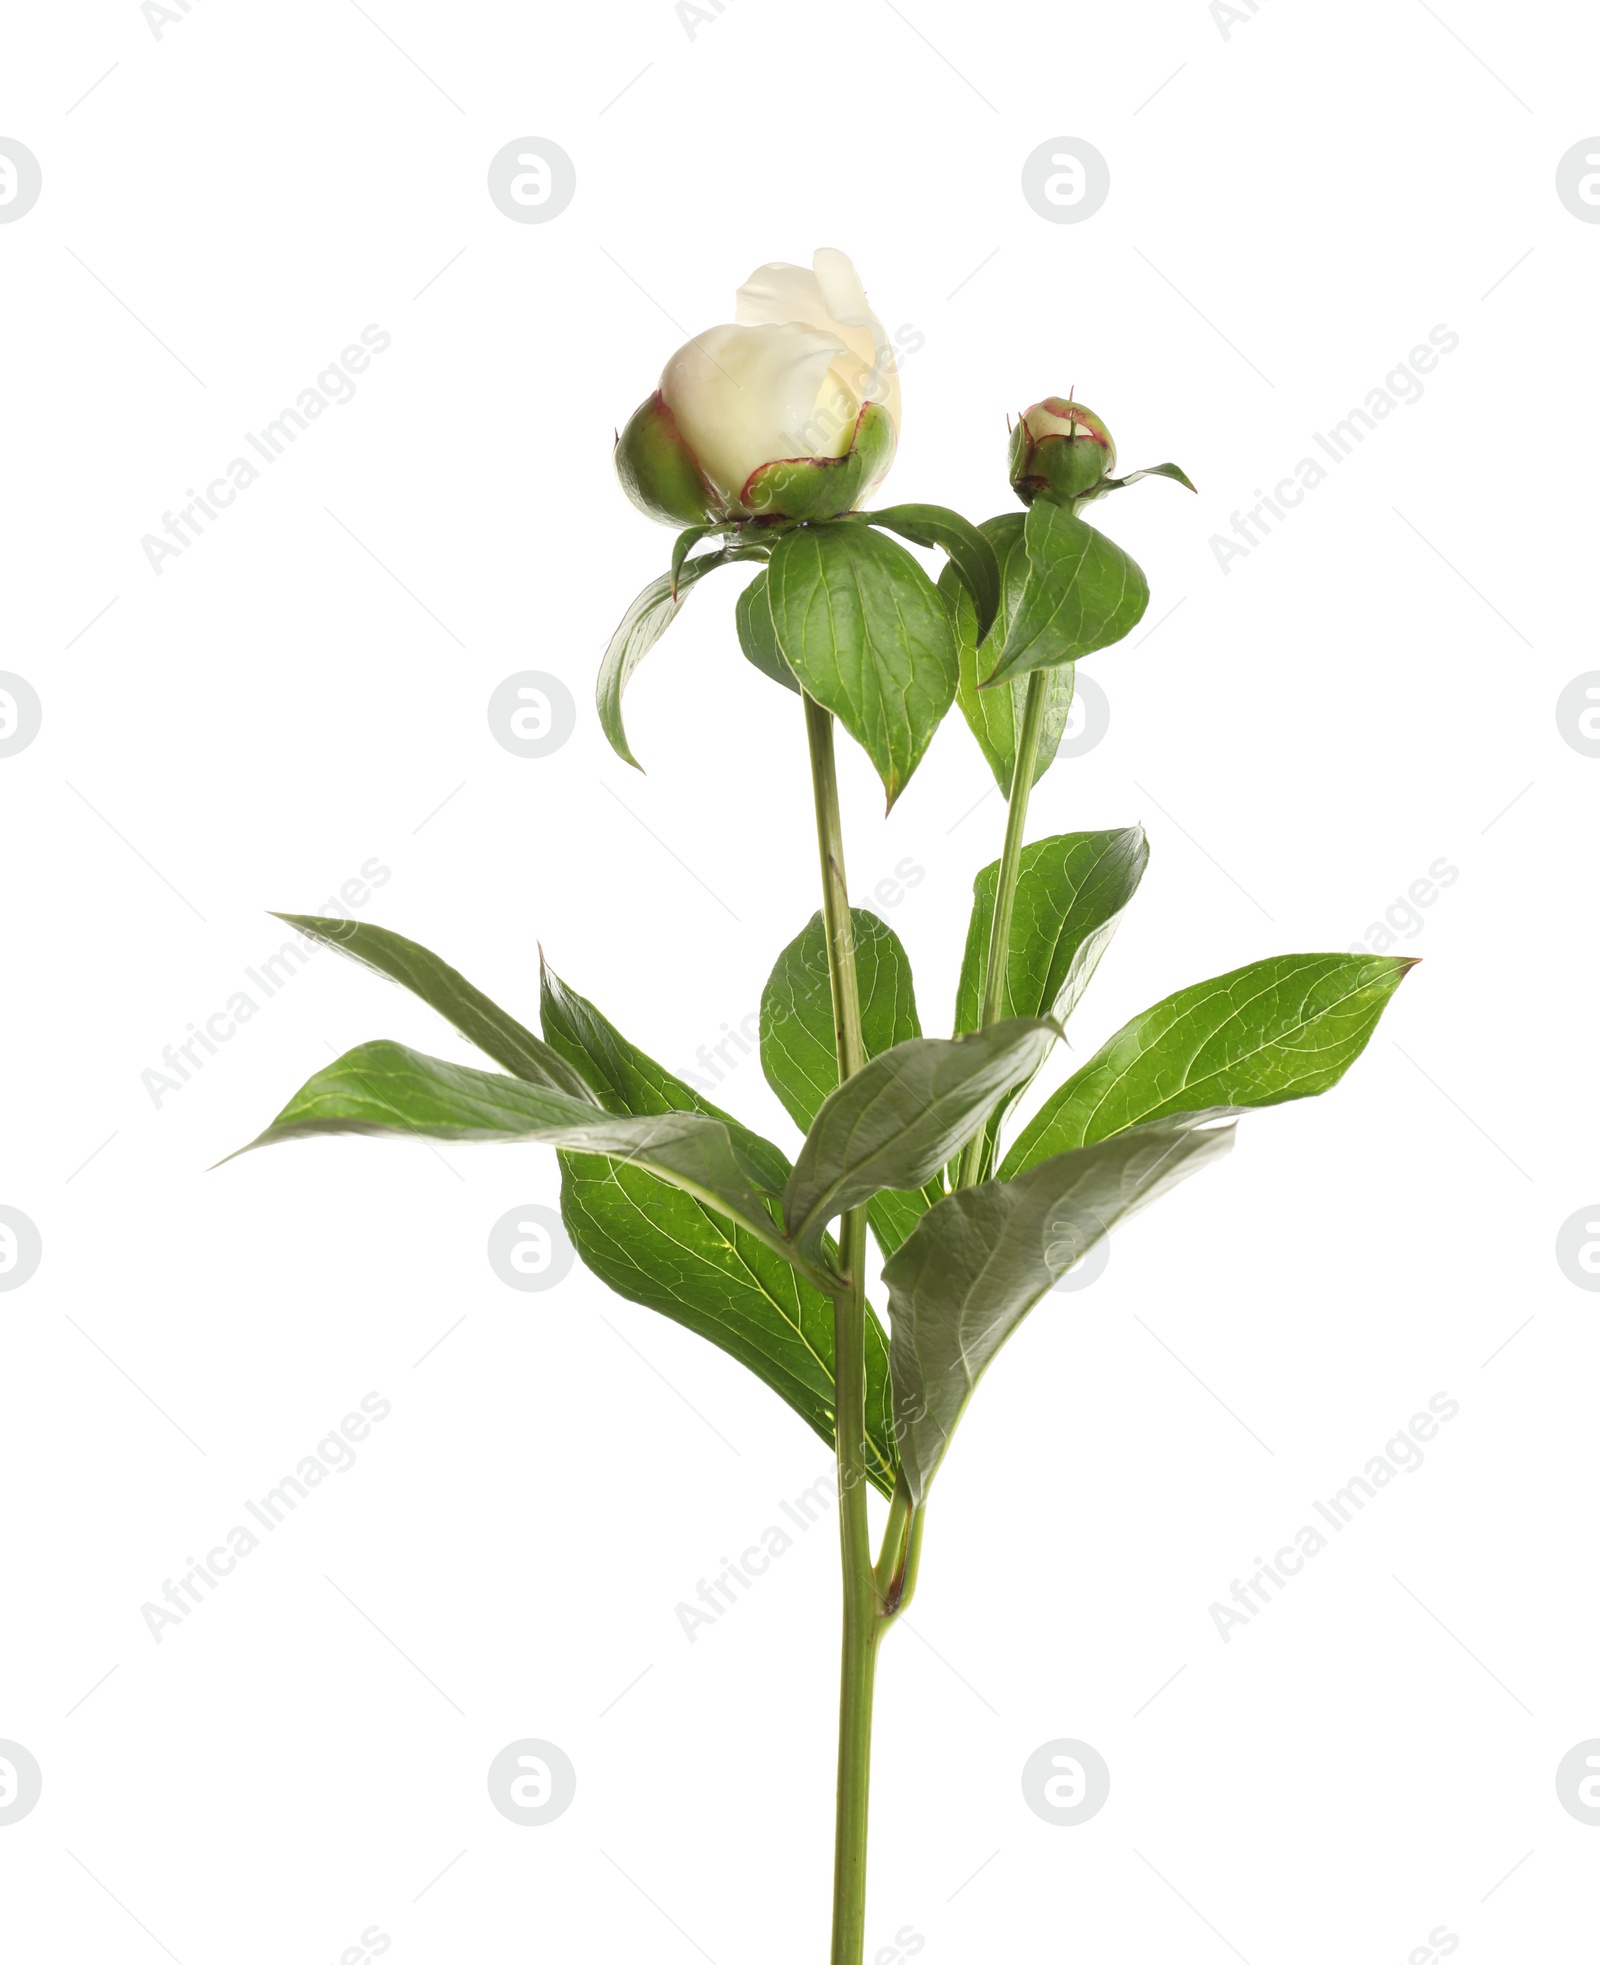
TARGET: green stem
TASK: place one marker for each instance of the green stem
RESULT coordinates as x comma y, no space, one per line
863,1622
1005,889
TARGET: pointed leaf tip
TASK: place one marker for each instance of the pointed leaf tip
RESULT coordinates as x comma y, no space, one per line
1285,1028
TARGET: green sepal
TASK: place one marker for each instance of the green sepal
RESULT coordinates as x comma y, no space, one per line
659,471
824,487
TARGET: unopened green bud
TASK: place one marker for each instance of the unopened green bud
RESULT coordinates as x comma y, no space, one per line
1059,451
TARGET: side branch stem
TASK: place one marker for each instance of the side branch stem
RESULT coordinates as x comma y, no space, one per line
1005,891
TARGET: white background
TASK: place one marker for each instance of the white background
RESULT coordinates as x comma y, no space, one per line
1304,735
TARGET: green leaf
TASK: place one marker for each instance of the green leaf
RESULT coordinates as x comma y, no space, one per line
995,715
659,1247
1286,1028
1150,471
868,637
627,1081
971,553
1071,893
1082,592
902,1116
978,1262
752,616
799,1052
482,1022
387,1088
648,618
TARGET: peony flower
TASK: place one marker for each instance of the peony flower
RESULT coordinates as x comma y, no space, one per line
790,411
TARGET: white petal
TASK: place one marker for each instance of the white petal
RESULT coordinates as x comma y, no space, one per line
1044,422
841,290
777,293
831,300
874,377
746,394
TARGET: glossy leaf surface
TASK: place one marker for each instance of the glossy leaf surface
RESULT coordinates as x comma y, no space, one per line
1082,592
660,1247
1285,1028
902,1116
864,631
481,1021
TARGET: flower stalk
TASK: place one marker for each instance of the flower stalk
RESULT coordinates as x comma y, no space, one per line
862,1623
